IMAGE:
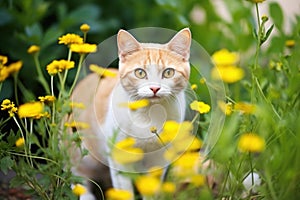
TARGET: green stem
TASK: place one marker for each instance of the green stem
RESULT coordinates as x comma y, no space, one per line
52,85
29,142
237,92
256,58
237,172
69,54
194,119
53,112
77,73
255,82
41,77
23,136
84,36
62,85
16,88
63,80
224,184
266,100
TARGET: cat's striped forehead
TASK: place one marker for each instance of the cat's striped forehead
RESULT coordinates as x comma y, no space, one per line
159,57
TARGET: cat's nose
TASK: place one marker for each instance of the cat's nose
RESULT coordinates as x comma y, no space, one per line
154,89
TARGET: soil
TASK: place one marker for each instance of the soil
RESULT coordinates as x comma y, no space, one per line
7,193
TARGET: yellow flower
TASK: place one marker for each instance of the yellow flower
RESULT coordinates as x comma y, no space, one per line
20,142
168,187
153,129
77,125
225,66
3,60
197,180
125,143
200,106
290,43
124,152
4,73
173,130
128,155
251,142
6,104
264,18
228,74
135,105
47,99
227,108
79,190
245,108
147,185
14,67
33,49
155,171
102,72
69,39
202,81
85,28
188,160
277,65
44,114
171,154
9,106
187,164
83,48
77,105
30,110
59,65
225,58
118,194
187,143
194,86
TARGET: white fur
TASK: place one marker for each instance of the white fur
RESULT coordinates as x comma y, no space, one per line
137,124
168,103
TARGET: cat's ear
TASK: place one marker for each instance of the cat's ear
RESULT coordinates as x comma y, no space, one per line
127,44
181,43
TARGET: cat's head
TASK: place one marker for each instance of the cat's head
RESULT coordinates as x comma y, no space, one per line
154,71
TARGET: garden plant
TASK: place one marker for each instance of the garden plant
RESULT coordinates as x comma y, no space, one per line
257,154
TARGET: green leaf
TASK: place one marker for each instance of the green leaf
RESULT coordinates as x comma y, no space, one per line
85,13
51,36
6,163
265,37
276,14
17,181
5,17
254,32
269,31
34,31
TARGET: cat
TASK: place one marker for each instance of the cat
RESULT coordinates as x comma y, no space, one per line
152,71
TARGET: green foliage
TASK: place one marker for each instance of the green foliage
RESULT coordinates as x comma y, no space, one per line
271,83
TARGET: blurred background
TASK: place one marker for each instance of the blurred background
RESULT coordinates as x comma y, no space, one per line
215,24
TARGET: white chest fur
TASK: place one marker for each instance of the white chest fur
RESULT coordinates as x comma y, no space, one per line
137,123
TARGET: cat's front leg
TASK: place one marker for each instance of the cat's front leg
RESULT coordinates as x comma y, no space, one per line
118,180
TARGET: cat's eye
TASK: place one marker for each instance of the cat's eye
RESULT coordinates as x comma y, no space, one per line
168,73
140,73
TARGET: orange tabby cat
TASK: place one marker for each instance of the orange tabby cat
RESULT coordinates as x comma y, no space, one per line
157,72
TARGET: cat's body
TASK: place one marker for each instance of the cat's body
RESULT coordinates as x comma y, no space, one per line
157,72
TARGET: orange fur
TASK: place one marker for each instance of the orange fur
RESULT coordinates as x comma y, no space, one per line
96,93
